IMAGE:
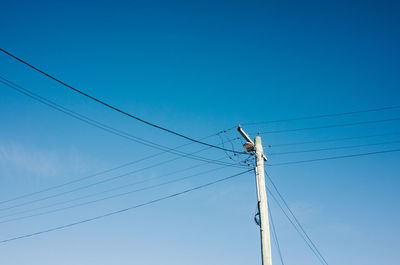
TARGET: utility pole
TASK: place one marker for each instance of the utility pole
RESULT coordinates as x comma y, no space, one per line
262,203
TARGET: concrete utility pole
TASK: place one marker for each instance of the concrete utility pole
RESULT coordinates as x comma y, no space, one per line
257,147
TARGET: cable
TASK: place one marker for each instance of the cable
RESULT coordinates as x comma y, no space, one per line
87,186
334,140
108,197
333,148
123,210
101,192
295,227
97,124
67,183
294,216
334,157
329,126
117,109
97,183
324,115
93,184
101,126
275,236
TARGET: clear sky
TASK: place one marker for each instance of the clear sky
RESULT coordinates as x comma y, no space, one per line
199,67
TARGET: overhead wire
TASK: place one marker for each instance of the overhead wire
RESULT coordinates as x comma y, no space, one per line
123,210
98,183
333,148
333,157
104,198
91,184
275,236
105,191
151,156
223,145
115,108
294,216
97,124
187,138
67,183
329,126
321,260
333,140
182,136
325,115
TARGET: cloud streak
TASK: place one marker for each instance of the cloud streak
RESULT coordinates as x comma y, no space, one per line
18,159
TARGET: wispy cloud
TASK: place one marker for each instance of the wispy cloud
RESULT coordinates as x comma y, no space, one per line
304,210
18,159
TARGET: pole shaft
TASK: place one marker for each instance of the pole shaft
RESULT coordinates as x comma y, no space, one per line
262,204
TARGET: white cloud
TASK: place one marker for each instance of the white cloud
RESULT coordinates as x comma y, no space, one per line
305,211
19,159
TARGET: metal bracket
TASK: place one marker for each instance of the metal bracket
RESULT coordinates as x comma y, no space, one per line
257,219
249,145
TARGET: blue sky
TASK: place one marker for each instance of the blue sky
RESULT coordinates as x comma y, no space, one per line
199,67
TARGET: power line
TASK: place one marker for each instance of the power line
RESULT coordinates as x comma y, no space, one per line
93,175
333,148
295,227
334,157
83,118
294,216
97,183
97,124
324,115
101,126
108,197
275,236
69,182
104,191
91,184
333,140
329,126
123,210
117,109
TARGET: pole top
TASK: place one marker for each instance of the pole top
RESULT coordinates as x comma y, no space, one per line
249,145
